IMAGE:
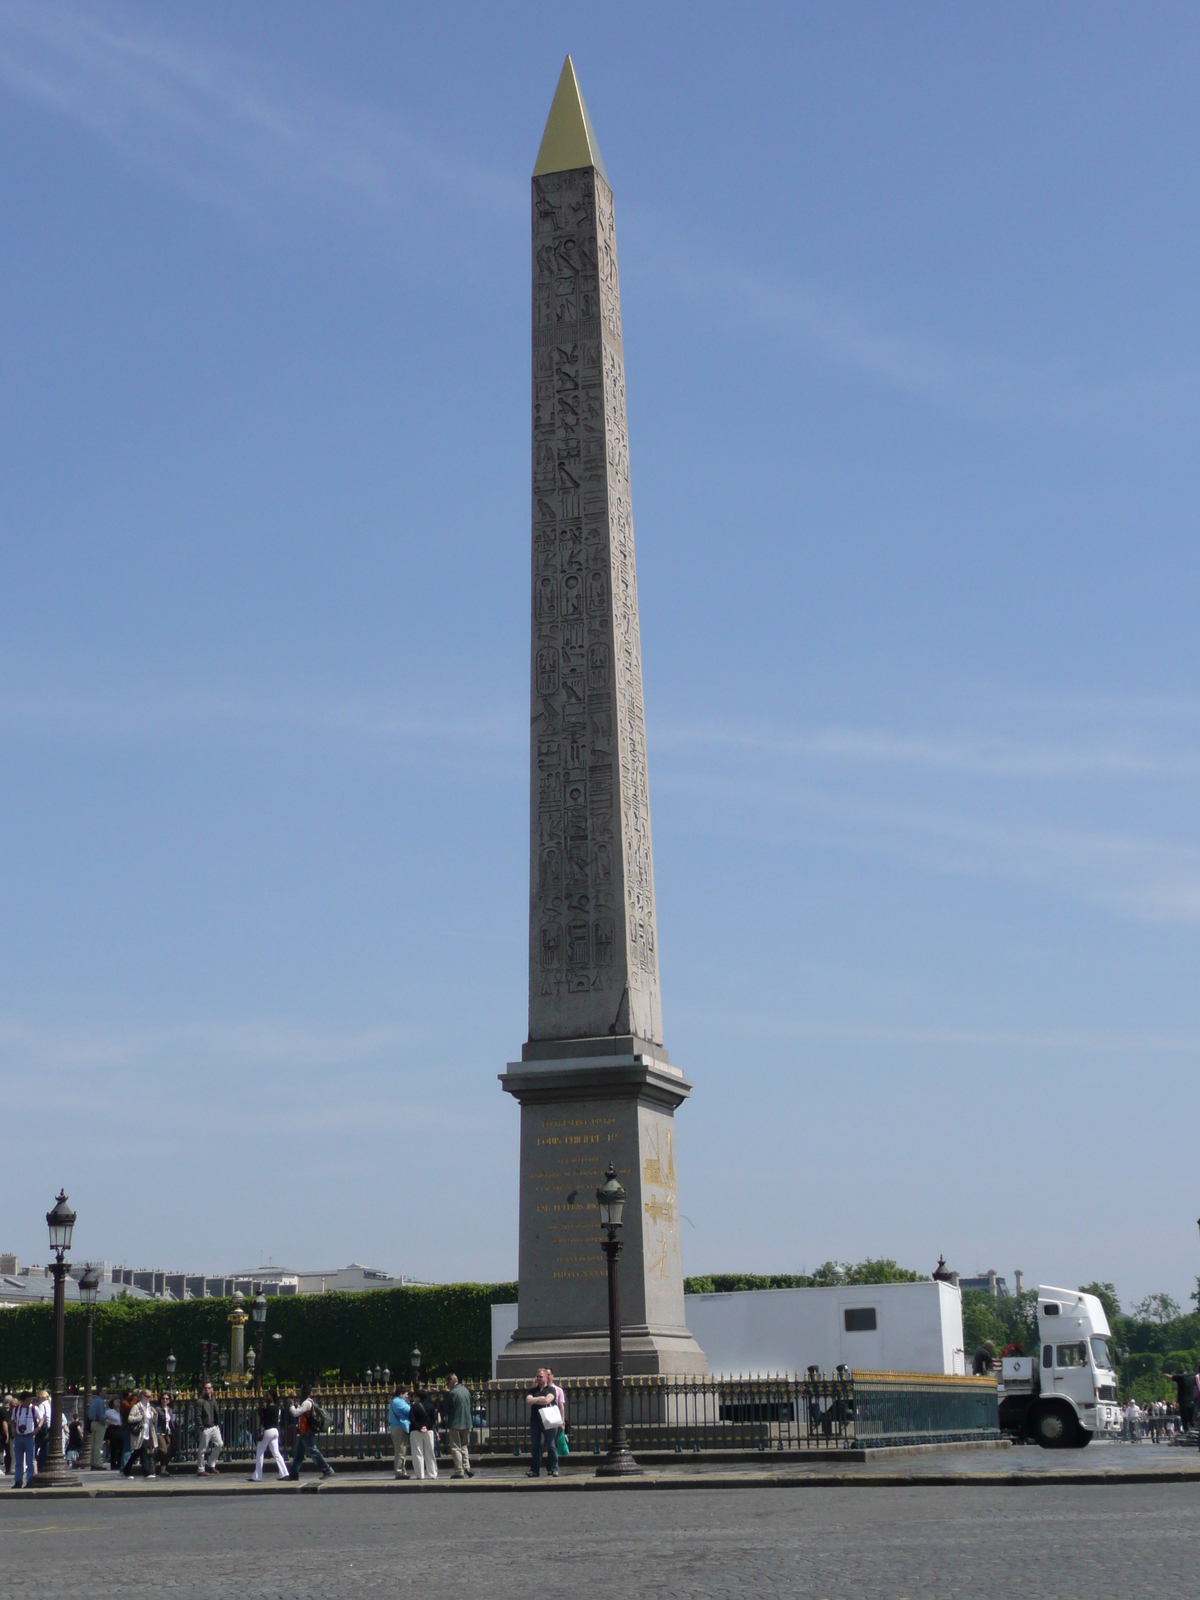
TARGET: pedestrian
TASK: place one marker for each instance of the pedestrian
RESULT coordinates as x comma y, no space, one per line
208,1425
143,1435
268,1416
95,1417
398,1413
74,1445
43,1430
113,1432
165,1448
545,1419
7,1406
24,1428
985,1359
128,1401
422,1434
458,1425
309,1423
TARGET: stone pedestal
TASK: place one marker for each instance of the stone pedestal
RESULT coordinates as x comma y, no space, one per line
609,1102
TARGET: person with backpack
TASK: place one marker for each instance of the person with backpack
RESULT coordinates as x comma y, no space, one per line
398,1422
25,1420
422,1434
310,1421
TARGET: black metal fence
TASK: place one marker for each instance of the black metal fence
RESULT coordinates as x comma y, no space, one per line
679,1416
689,1416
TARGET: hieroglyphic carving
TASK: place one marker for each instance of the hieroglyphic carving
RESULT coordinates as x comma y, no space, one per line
593,955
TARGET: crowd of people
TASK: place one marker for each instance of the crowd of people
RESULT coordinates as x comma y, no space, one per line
135,1432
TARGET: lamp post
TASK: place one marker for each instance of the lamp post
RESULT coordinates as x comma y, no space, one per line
171,1379
258,1312
89,1291
61,1222
610,1197
416,1363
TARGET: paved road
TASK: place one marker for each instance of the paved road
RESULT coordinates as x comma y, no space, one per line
1060,1543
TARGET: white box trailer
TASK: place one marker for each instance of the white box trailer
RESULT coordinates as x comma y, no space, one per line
880,1327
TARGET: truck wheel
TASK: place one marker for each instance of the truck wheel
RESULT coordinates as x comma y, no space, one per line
1054,1427
1083,1437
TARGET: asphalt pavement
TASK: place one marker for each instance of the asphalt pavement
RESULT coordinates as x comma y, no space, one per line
904,1542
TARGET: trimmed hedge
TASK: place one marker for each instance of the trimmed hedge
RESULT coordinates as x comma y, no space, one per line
330,1335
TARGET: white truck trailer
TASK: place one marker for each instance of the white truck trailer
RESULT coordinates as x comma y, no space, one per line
1066,1393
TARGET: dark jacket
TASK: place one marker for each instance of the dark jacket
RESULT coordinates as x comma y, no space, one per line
422,1415
206,1414
268,1415
458,1406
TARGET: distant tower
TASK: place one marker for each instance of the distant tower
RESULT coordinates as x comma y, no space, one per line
594,1081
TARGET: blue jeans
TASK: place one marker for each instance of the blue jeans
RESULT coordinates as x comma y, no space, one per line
540,1440
24,1450
306,1445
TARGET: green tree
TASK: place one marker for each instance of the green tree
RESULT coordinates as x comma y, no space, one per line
1107,1295
1158,1308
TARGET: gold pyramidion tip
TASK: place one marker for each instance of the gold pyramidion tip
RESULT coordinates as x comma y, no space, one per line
569,140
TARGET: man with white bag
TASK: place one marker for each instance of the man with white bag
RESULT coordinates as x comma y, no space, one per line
547,1413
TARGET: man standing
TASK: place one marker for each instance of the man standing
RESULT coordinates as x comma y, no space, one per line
24,1430
96,1424
209,1426
458,1425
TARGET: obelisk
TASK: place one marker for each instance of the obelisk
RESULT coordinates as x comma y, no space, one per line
594,1081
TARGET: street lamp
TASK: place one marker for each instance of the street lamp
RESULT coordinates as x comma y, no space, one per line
415,1358
89,1292
387,1377
378,1374
61,1222
258,1312
171,1378
610,1197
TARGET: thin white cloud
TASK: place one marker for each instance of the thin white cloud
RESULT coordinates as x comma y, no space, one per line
916,362
982,754
134,715
211,123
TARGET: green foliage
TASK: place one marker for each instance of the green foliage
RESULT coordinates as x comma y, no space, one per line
1141,1364
1158,1308
1011,1320
323,1334
1147,1388
1106,1293
829,1273
1181,1361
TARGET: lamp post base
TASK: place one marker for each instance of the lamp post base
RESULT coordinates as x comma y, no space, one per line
57,1475
619,1464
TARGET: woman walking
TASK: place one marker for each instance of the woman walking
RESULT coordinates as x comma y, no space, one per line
143,1435
268,1415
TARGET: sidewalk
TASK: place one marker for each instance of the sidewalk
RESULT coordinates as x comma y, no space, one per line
963,1466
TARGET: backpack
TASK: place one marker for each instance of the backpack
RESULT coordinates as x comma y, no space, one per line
316,1420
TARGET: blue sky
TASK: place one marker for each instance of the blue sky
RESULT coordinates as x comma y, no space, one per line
913,357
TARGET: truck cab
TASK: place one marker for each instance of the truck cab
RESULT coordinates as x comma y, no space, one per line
1066,1393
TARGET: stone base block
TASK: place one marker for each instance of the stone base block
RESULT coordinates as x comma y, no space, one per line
585,1355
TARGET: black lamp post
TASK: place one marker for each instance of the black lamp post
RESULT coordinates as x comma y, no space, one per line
618,1463
416,1363
89,1292
258,1312
171,1379
61,1222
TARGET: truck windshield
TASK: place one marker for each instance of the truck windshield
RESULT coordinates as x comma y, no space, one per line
1100,1353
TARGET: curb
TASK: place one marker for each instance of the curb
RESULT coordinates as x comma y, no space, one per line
590,1485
